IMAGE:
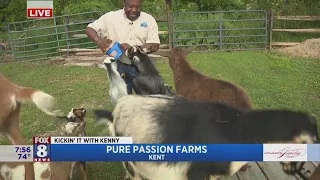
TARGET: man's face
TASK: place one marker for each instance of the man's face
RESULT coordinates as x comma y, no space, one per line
132,8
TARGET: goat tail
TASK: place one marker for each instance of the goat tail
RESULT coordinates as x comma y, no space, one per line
105,117
102,114
45,102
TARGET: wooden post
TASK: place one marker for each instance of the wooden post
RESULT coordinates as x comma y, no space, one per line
270,28
170,21
67,21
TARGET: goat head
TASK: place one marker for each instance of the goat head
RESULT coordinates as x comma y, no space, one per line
76,115
75,118
135,53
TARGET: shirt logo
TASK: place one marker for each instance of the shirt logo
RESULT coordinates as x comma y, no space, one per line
144,24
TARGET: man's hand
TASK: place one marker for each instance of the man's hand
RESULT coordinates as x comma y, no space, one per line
103,44
124,46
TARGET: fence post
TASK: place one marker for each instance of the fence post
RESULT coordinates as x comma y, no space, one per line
170,23
270,27
220,30
11,43
57,36
67,20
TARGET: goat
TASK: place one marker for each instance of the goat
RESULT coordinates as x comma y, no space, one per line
193,85
149,80
117,86
50,170
160,119
11,96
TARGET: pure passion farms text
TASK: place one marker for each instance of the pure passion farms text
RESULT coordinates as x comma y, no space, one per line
157,152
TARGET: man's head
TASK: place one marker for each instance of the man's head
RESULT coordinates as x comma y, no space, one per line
132,8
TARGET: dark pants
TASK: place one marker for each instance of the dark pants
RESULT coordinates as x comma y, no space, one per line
130,72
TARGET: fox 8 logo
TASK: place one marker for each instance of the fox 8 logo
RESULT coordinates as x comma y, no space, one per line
42,151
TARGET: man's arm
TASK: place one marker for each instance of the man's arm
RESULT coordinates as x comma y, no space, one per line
92,33
153,40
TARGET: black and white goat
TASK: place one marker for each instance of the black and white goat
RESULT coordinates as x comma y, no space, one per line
117,86
159,119
149,80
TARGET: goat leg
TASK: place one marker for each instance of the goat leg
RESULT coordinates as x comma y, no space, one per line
83,167
12,130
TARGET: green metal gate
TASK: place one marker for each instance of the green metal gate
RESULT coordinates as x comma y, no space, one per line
42,38
221,30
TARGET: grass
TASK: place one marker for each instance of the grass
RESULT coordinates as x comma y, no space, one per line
272,80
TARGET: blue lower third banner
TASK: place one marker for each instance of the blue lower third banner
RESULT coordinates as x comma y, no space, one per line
156,152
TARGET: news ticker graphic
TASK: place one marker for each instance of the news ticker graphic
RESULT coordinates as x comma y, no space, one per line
39,9
15,153
186,152
90,149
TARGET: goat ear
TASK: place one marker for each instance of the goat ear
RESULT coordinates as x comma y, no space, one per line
163,53
189,49
83,112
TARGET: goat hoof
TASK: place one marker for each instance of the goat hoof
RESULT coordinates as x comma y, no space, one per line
244,168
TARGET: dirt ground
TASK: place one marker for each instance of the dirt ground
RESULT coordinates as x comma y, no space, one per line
308,48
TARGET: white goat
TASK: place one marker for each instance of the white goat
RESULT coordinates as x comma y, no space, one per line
117,86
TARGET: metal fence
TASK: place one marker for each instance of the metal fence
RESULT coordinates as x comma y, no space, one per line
209,31
42,38
221,30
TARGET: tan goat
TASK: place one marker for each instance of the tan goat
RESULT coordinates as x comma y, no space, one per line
50,170
11,96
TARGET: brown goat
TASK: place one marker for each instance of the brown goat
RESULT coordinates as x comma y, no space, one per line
193,85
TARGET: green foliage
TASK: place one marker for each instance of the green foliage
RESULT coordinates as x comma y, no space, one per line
11,11
155,7
286,7
87,6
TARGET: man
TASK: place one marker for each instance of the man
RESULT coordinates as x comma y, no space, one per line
129,26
